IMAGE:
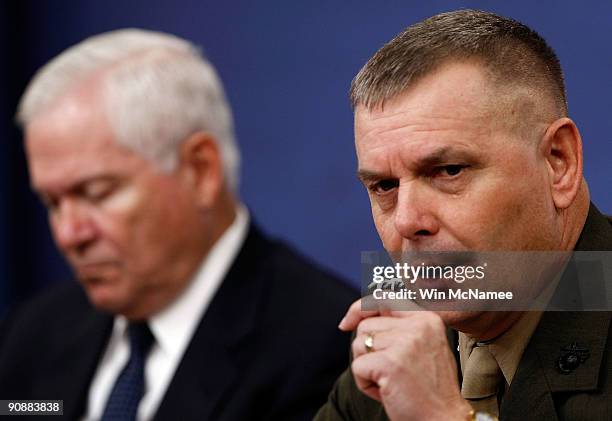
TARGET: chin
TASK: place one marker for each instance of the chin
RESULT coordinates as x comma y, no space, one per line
459,320
484,325
105,296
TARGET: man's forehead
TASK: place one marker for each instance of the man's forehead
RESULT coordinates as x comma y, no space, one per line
422,136
453,90
50,173
49,179
63,152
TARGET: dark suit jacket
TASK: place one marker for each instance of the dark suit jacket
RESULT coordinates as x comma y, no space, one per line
539,391
266,349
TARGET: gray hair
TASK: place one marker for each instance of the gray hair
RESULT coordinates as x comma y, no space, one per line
514,53
158,89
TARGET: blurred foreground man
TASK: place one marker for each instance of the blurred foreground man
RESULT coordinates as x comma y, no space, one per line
185,310
464,143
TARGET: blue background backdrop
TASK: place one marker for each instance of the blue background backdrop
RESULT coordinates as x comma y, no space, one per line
286,66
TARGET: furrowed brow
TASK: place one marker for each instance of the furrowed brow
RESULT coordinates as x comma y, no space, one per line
366,176
444,156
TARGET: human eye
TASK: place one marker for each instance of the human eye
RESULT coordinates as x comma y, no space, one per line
97,190
383,186
450,171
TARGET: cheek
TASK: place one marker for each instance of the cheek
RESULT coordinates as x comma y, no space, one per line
385,227
159,222
125,200
124,213
500,215
128,222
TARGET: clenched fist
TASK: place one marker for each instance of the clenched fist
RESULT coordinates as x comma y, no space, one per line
403,360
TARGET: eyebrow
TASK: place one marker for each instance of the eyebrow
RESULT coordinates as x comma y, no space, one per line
366,175
436,157
444,155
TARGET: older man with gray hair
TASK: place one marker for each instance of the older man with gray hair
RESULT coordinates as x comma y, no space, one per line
185,310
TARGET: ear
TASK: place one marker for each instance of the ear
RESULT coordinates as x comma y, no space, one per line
201,167
562,148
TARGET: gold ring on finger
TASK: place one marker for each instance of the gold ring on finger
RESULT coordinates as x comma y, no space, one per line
369,342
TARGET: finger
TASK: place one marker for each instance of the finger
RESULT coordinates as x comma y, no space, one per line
379,341
369,389
398,307
379,324
354,315
386,332
404,309
369,374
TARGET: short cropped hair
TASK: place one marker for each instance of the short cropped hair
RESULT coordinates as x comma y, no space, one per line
514,54
158,89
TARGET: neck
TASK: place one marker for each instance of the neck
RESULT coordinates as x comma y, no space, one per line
213,224
573,218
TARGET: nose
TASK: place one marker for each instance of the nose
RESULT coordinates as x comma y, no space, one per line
72,226
415,217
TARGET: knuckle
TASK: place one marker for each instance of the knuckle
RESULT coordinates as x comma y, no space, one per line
392,361
432,322
357,367
365,326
